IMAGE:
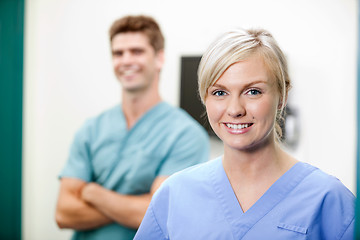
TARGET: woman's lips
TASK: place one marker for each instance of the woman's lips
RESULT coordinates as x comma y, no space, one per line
238,128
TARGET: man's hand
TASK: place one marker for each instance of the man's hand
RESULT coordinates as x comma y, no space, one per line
88,191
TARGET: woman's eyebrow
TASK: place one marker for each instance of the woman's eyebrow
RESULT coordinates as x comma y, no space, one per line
244,86
218,85
254,83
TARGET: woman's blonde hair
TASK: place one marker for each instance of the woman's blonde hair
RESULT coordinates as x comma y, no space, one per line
237,45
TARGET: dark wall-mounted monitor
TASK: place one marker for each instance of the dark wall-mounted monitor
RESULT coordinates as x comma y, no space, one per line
189,97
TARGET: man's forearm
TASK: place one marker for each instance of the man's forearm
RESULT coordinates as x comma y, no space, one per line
72,212
81,216
127,210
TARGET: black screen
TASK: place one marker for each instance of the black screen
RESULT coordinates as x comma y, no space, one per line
189,97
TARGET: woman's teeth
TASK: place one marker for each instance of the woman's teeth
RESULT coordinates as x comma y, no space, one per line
237,126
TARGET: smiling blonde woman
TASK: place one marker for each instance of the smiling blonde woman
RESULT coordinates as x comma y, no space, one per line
255,190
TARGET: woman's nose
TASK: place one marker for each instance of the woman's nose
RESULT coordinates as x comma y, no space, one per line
236,108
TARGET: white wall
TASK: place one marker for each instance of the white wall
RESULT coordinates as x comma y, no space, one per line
68,77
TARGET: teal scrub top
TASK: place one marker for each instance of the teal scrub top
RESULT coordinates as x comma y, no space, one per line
199,203
165,140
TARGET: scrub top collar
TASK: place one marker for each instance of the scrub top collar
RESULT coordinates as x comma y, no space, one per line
241,222
157,109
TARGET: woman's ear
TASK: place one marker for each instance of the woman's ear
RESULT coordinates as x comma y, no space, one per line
282,102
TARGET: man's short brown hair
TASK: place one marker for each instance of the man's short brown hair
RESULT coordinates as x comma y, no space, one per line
144,24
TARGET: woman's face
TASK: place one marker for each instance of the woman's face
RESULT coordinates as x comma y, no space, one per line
242,105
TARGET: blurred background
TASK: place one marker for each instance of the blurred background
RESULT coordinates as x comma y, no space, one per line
68,78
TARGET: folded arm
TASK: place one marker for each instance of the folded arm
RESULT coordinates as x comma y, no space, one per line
127,210
73,212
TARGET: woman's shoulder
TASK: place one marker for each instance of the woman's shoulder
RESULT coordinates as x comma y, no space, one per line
330,202
196,173
190,179
326,183
327,194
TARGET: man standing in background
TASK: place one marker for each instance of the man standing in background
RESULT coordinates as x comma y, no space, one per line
119,158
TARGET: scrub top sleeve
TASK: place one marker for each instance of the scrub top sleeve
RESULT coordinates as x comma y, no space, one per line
149,228
349,232
78,164
337,211
190,148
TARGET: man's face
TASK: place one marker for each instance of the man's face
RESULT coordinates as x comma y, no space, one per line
135,62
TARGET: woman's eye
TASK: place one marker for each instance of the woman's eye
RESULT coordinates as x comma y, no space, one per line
253,92
219,93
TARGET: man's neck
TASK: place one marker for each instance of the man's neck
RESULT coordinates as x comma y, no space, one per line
135,105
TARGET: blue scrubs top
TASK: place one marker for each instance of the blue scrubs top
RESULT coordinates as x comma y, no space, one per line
165,140
199,203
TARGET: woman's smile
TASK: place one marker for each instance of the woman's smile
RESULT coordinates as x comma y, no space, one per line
238,128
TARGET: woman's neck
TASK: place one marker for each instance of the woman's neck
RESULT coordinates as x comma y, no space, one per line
251,174
268,161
